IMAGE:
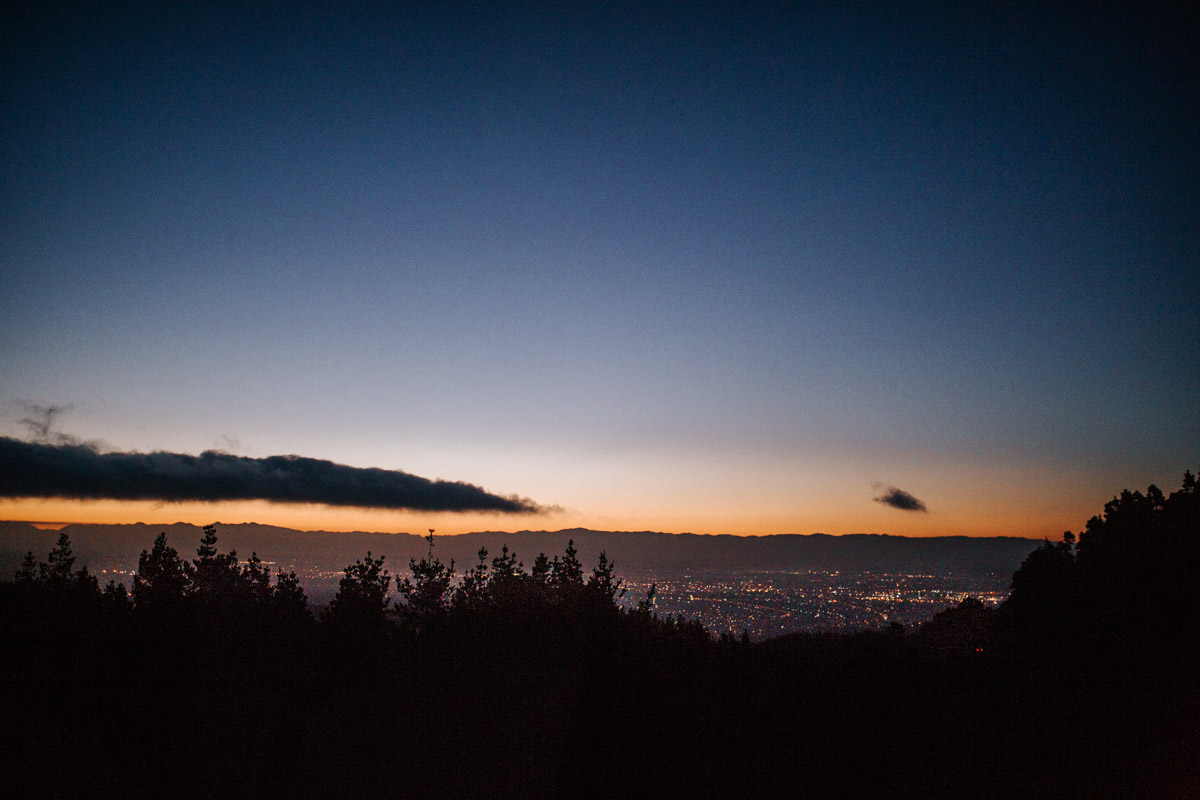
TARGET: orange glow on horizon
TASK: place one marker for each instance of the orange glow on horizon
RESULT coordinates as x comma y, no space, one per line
53,514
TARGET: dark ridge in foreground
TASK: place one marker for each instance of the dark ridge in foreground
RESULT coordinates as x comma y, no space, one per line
213,678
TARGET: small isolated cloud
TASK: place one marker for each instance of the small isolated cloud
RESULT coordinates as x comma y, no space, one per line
898,498
41,421
79,471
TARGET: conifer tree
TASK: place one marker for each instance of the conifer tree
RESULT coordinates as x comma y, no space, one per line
289,595
426,594
606,586
471,593
58,571
27,573
216,576
162,577
541,569
567,571
257,579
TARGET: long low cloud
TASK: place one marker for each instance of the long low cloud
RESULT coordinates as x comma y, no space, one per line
81,472
898,498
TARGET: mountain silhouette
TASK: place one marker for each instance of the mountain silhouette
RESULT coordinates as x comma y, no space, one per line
632,551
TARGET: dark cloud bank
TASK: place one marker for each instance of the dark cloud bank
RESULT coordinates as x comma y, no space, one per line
79,471
898,498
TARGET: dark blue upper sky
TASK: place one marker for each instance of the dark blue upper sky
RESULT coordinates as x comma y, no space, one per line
651,264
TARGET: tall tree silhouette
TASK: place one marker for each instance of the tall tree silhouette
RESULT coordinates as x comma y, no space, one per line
216,577
604,583
162,579
425,596
60,568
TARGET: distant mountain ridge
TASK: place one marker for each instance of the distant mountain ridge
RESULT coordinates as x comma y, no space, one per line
632,551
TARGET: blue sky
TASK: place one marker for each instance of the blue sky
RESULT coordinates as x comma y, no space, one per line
700,267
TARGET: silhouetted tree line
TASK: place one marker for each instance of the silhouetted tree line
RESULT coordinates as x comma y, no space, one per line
1126,588
212,677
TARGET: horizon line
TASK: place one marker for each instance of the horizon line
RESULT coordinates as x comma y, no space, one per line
57,526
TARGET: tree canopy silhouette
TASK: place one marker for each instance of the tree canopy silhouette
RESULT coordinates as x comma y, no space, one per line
212,680
1129,583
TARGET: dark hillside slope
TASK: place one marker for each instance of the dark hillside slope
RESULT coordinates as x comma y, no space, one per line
215,680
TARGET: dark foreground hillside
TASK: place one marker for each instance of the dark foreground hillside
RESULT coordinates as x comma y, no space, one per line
212,679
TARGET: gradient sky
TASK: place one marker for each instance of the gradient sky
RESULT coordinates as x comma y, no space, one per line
699,267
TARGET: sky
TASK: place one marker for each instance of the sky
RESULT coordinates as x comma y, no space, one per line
719,268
